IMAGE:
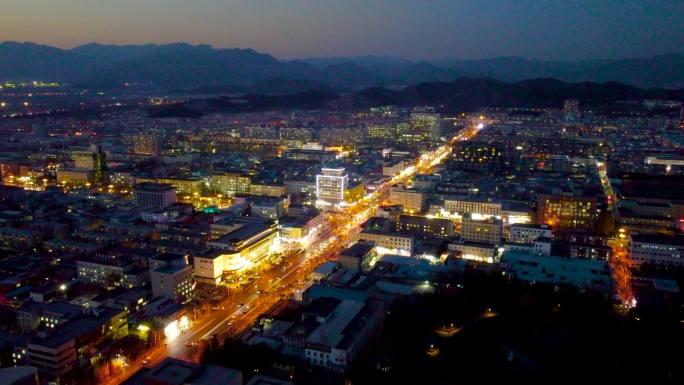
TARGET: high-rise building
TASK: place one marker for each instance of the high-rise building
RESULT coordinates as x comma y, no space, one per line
571,106
93,160
99,165
231,183
147,144
159,195
427,125
331,185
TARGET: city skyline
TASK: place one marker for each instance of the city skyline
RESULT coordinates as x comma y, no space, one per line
564,31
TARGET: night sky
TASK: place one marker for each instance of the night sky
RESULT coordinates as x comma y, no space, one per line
418,29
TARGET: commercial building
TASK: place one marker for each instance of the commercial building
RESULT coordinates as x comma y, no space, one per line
75,178
301,228
354,192
157,195
331,185
468,205
412,200
236,244
388,242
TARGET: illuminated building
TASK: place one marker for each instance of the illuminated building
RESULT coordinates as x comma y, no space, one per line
301,228
562,271
475,251
323,271
481,230
357,257
56,353
92,160
568,212
268,207
377,131
392,168
173,282
427,125
230,183
540,246
527,233
657,249
478,156
464,206
236,244
120,272
331,185
74,178
426,226
388,242
412,200
147,144
158,195
83,160
670,164
268,189
186,186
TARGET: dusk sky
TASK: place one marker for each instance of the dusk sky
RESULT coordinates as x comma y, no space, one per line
430,29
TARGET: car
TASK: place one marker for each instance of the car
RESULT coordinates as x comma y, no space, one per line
147,360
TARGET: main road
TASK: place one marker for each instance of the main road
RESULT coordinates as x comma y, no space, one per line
242,307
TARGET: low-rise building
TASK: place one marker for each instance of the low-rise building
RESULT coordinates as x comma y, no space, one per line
486,230
412,200
562,271
657,249
357,257
528,233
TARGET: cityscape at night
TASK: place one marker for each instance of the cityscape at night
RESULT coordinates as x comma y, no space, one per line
341,192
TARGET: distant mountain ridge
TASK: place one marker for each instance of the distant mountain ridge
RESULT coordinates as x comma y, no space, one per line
464,94
182,65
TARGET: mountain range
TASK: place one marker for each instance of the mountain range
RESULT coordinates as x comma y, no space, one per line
464,94
189,67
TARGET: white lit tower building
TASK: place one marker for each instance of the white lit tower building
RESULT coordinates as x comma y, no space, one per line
330,186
